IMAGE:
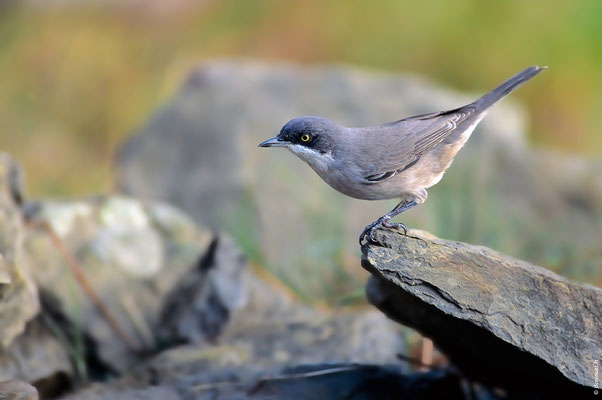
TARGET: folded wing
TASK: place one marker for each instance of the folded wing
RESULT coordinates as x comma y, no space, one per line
399,145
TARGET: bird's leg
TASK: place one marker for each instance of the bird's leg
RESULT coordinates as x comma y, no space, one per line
401,207
384,220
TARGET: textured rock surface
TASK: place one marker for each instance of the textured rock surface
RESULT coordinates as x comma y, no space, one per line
500,320
201,304
189,286
262,340
17,390
271,332
252,358
132,253
108,392
18,294
39,358
29,349
266,350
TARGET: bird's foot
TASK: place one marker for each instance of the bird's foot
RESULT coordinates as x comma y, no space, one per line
382,222
368,230
396,225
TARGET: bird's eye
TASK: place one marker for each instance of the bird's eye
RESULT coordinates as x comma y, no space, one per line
305,138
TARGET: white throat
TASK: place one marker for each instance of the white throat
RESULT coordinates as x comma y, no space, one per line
320,162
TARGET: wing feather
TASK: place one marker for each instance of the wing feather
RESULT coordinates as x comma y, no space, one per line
399,145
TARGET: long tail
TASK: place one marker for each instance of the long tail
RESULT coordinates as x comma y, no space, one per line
507,87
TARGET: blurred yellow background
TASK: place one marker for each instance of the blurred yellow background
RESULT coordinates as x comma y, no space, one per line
76,77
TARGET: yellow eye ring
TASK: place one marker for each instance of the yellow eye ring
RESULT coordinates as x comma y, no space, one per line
305,138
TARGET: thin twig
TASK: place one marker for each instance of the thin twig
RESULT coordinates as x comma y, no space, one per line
87,287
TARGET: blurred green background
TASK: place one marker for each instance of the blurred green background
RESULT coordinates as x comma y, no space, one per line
77,77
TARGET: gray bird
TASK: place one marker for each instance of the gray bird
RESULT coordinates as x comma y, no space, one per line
399,159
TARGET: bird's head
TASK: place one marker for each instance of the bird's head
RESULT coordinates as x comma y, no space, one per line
310,138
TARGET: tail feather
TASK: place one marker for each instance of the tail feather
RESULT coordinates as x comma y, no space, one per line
507,87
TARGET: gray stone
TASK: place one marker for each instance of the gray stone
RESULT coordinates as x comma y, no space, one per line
132,253
18,293
38,357
328,382
272,332
29,350
262,339
337,382
200,305
108,392
17,390
502,321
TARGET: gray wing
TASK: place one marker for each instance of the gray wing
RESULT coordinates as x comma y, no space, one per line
399,145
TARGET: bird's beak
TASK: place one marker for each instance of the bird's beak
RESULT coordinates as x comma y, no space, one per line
274,142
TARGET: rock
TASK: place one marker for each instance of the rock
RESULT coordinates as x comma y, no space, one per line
501,321
52,354
272,338
107,392
17,390
39,358
132,253
272,332
18,293
199,306
271,344
29,348
332,382
353,382
337,382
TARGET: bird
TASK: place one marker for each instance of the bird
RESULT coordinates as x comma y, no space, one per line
395,160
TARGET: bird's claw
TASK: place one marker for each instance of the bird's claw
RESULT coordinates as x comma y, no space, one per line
396,225
368,231
381,223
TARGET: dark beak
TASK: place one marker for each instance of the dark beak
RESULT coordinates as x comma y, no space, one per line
274,142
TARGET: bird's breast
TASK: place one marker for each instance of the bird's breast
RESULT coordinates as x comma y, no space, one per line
349,181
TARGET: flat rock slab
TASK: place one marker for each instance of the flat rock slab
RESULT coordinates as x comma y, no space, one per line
500,320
